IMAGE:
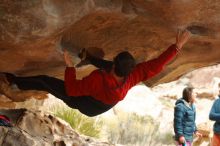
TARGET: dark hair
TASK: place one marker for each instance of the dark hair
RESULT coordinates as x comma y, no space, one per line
187,93
124,63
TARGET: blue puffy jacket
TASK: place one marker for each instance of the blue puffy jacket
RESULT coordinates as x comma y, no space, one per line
184,120
214,115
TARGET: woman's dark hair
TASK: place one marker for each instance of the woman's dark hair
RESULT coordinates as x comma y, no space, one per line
187,93
124,63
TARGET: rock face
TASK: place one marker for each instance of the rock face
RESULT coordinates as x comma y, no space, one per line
30,31
35,128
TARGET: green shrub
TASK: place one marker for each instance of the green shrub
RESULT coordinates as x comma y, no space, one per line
167,138
166,102
135,130
132,129
82,124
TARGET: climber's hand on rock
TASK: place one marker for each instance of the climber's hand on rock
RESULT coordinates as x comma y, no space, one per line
67,59
181,38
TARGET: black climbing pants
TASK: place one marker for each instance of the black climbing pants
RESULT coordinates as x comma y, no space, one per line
85,104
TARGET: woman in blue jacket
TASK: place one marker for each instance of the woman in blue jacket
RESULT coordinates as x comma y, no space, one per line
184,118
214,115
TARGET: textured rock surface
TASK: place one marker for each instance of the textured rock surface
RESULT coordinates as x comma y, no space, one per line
30,31
35,128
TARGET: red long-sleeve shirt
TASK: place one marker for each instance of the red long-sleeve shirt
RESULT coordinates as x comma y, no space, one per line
102,85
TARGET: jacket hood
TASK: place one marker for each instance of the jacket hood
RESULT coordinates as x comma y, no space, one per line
181,100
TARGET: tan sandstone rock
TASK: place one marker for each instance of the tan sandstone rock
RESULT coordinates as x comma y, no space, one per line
35,128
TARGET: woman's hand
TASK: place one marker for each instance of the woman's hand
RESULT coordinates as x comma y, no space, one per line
182,139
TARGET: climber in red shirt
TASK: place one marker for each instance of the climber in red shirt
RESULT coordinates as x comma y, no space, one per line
105,86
